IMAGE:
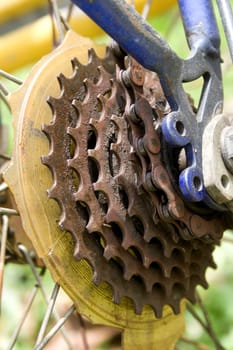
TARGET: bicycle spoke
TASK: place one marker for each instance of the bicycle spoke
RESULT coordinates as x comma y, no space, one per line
4,156
10,77
5,225
28,258
69,12
26,311
56,316
197,345
4,90
173,21
206,324
146,9
8,211
3,185
226,14
83,331
56,328
4,99
48,313
57,22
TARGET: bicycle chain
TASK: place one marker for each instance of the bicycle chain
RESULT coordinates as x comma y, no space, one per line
155,176
100,155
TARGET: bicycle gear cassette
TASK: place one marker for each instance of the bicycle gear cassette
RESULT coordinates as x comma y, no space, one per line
113,235
98,184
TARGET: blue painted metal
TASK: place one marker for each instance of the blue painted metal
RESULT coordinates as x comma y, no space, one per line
173,133
200,25
187,181
131,32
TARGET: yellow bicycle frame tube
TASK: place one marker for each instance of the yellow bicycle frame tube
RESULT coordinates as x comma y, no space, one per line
10,9
29,43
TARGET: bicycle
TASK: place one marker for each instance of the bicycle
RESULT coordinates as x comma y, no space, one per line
174,127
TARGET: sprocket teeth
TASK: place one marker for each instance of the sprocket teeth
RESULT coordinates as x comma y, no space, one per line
166,271
75,133
191,297
92,57
93,225
138,308
212,264
89,85
53,192
45,160
77,254
45,129
98,186
97,279
53,103
48,128
108,254
63,82
116,297
146,262
127,275
104,75
102,99
75,64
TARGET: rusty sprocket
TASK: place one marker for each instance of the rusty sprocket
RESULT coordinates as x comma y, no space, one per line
98,185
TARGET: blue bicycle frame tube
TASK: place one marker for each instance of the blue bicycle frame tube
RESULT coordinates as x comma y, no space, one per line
130,31
200,25
144,44
137,38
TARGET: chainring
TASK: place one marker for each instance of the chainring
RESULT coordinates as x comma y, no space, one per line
101,185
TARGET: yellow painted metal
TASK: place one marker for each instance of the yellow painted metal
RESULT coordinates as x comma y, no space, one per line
10,9
15,8
157,7
29,180
30,43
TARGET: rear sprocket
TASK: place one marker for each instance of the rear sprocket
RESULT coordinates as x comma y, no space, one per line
98,181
